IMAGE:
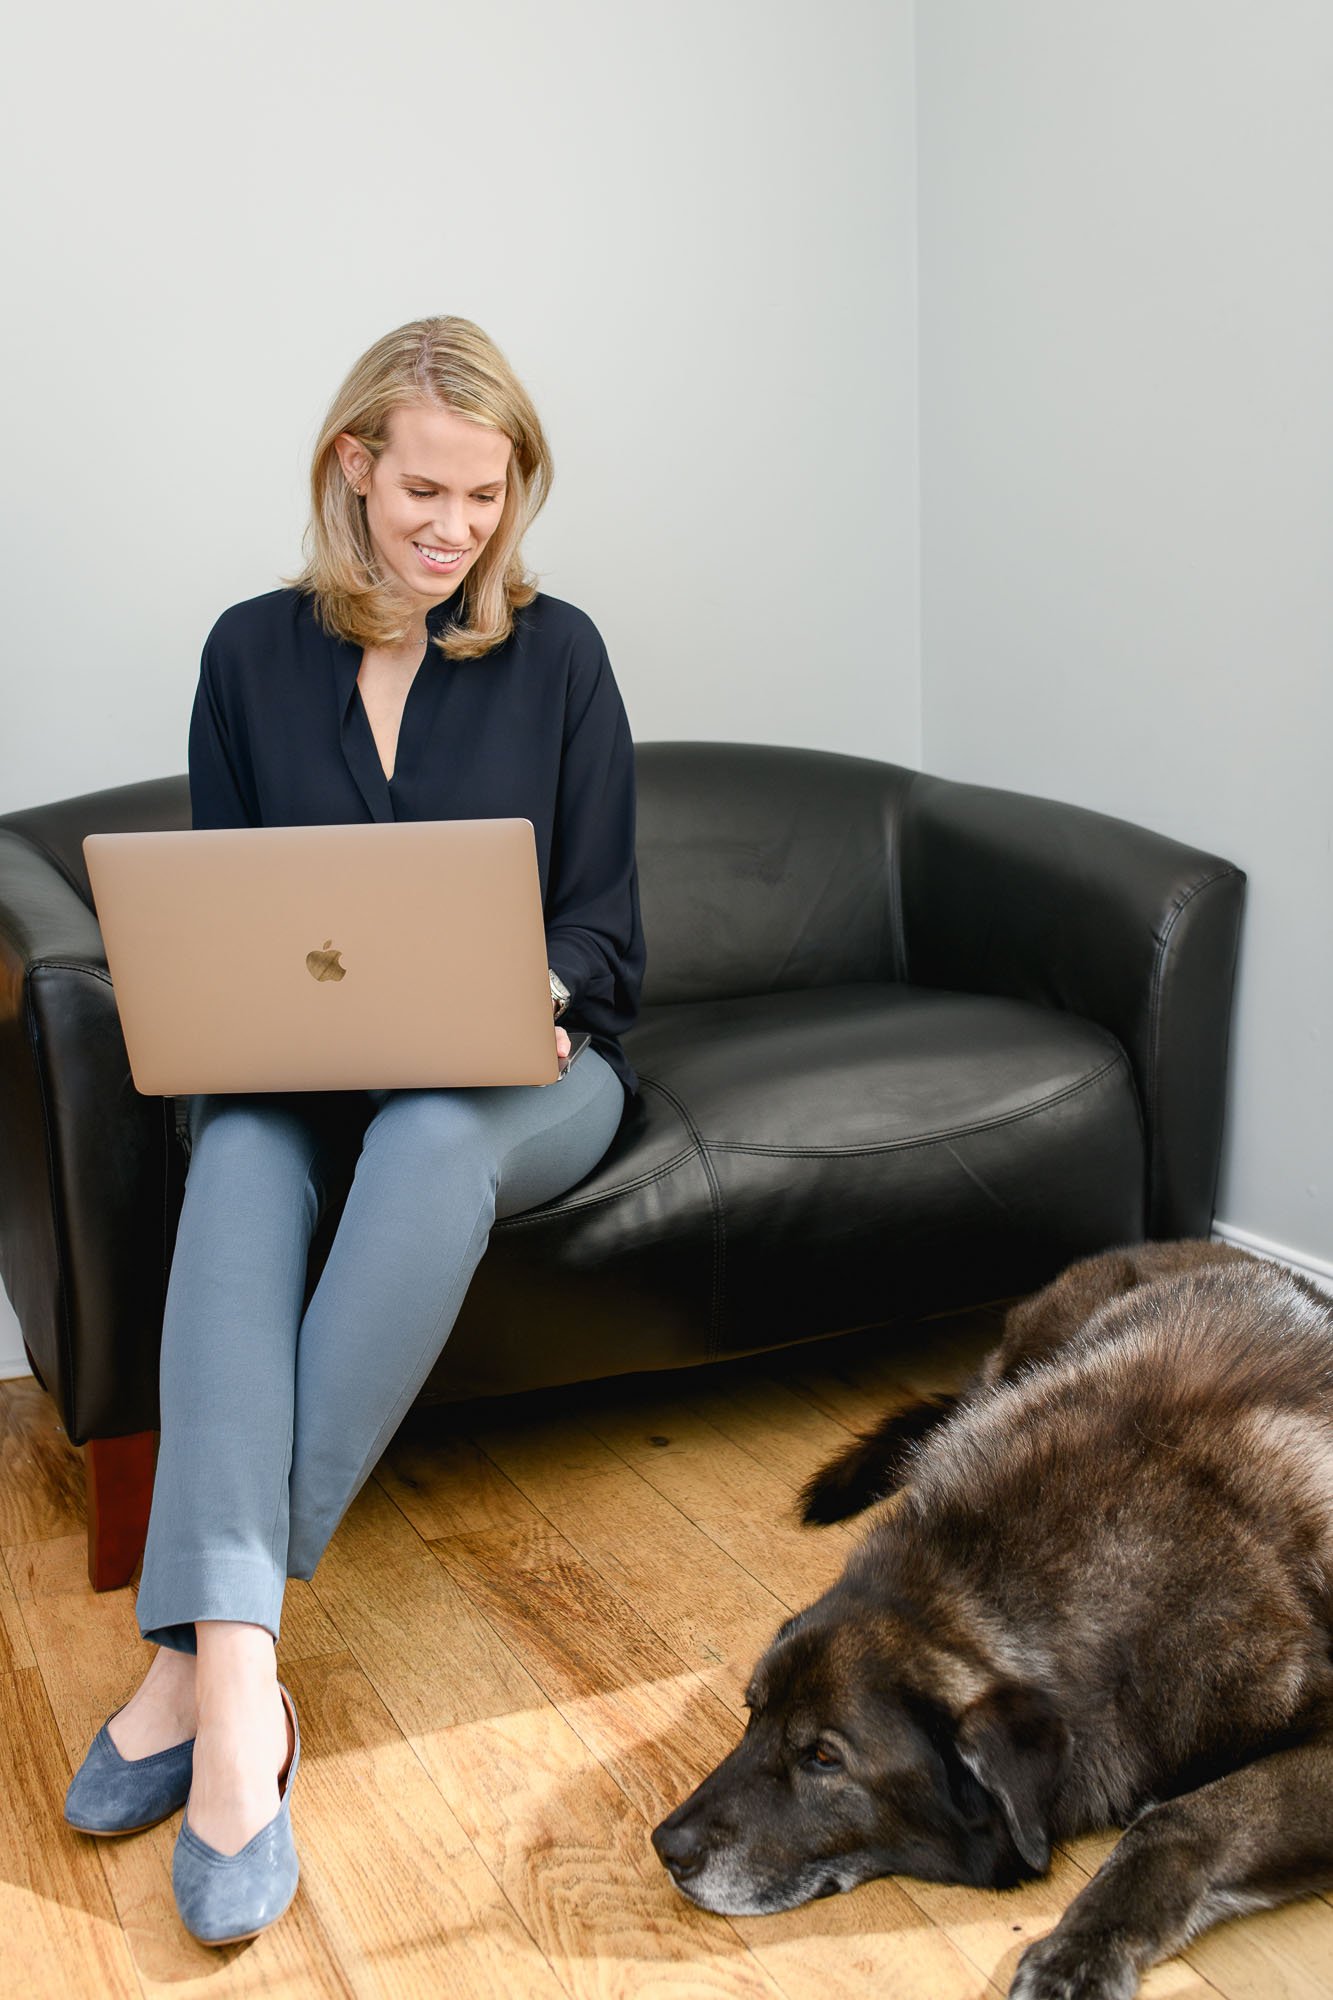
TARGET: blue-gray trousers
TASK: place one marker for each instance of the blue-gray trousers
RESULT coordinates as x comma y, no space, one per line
272,1419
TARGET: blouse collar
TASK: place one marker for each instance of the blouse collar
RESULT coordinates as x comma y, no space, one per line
358,741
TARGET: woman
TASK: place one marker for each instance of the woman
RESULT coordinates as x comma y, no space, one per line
412,671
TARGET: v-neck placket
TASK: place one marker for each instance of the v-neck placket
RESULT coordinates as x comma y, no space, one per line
389,798
419,706
355,734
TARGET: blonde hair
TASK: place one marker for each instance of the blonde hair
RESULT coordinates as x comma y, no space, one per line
445,363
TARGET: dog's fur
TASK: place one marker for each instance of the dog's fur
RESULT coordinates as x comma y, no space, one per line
1102,1594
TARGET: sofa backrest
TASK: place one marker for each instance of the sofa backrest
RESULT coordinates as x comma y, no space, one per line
760,867
763,868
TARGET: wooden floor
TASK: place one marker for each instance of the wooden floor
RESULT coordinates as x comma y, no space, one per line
526,1643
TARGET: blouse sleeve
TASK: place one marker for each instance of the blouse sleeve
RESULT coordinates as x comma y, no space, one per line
219,793
594,937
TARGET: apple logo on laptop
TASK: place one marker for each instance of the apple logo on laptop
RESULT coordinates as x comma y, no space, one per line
323,964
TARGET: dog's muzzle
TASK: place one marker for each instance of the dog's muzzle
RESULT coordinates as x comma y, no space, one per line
680,1849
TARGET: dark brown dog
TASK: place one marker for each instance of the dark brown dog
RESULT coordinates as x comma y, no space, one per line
1102,1596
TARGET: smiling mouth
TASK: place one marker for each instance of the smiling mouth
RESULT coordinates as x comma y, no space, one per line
439,558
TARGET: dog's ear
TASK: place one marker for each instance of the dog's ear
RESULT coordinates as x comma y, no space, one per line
1016,1743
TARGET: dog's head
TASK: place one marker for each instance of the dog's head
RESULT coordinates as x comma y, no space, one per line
855,1762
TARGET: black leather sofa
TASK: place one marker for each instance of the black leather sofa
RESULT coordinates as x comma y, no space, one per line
906,1045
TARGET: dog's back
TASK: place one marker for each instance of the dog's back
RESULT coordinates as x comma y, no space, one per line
1156,1494
1102,1593
1036,1329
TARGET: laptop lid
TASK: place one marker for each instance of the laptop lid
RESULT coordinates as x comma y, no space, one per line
398,955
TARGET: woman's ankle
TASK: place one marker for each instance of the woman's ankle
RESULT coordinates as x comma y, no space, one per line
163,1709
237,1666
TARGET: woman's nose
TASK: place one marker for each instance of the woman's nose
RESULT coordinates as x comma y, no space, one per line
451,524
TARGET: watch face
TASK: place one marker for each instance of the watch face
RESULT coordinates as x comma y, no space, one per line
559,991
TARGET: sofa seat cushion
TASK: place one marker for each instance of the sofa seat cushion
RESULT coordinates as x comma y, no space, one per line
803,1162
866,1067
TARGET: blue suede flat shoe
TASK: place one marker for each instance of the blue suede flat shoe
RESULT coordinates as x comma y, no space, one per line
223,1898
114,1794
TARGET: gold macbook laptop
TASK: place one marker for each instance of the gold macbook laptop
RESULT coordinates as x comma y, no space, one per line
398,955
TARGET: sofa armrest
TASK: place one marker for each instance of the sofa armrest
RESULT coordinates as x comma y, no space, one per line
84,1160
1034,900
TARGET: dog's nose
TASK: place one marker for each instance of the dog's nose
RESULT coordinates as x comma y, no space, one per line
679,1849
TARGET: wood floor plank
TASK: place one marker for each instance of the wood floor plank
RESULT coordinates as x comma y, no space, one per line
651,1723
15,1646
712,1613
872,1941
307,1630
859,1379
43,1568
1173,1979
445,1484
41,1472
86,1642
840,1393
60,1929
58,1567
559,1836
293,1960
778,1428
1283,1954
525,1644
993,1927
572,1856
428,1652
744,1507
406,1902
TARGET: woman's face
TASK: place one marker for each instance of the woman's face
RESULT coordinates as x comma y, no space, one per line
433,496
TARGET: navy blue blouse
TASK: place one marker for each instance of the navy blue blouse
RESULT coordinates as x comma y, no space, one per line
534,730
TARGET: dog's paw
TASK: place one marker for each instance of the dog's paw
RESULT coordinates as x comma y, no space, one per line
1071,1968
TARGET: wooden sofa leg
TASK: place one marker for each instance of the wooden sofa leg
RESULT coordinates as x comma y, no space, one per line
120,1490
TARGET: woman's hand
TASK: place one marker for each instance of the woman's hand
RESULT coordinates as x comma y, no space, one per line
561,1043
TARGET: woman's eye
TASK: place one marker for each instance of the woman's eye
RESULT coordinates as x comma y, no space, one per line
428,493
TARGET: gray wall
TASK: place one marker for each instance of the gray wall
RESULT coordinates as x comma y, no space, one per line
1126,286
692,229
695,232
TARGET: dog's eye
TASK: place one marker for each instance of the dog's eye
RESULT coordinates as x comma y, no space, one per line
823,1758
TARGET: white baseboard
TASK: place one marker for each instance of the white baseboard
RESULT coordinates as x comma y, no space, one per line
1314,1268
13,1361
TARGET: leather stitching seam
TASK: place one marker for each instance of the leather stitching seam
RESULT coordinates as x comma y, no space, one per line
715,1198
1155,1015
547,1209
66,965
1118,1061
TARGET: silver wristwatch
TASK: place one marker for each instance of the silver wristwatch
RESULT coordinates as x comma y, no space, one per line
560,993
